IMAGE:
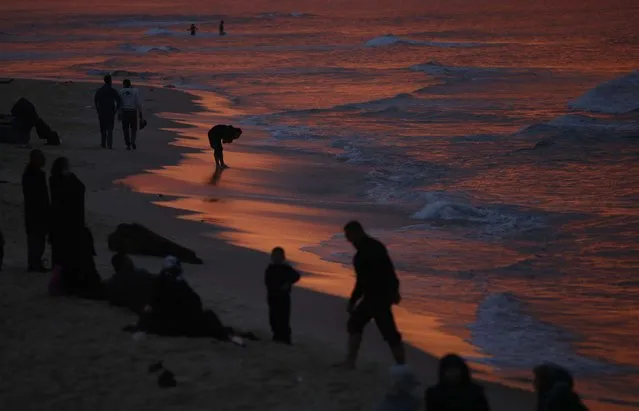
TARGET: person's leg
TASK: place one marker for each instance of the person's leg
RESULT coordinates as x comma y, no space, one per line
126,126
109,130
360,316
286,319
134,130
388,328
272,316
103,130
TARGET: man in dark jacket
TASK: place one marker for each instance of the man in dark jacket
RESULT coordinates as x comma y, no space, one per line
455,391
36,209
107,102
222,134
376,291
279,278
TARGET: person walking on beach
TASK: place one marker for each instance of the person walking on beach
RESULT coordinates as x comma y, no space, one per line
455,390
376,291
222,134
222,32
36,209
131,111
279,279
107,102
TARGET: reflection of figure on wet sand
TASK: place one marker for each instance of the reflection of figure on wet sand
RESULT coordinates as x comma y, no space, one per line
217,175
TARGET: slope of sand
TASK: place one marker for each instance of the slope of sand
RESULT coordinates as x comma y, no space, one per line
59,353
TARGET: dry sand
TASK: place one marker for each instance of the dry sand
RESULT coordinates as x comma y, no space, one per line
62,353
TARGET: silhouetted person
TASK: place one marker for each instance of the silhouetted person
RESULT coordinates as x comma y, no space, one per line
456,390
279,279
222,134
401,396
131,111
554,386
71,241
36,209
24,117
376,291
217,176
193,29
129,287
222,32
107,102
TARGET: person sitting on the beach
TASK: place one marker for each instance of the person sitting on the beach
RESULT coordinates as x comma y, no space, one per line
36,209
279,279
131,111
222,134
401,396
554,386
107,102
456,390
376,291
24,117
175,309
129,287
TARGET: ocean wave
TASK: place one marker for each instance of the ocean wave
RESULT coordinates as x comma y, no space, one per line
390,40
616,96
295,14
121,73
148,49
160,32
514,339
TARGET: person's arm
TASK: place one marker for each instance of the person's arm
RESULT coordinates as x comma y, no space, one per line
95,100
294,276
356,295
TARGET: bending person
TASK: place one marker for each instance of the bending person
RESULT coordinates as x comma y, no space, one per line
222,134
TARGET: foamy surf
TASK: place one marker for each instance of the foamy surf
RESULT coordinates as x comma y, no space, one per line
616,96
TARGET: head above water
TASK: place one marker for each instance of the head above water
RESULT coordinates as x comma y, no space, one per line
108,79
126,83
278,256
122,262
354,232
37,159
453,370
60,167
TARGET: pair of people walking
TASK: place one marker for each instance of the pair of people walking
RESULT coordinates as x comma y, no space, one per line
126,104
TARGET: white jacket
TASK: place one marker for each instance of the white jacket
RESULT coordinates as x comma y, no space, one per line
131,99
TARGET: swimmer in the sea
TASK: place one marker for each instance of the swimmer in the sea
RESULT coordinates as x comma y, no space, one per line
193,29
222,32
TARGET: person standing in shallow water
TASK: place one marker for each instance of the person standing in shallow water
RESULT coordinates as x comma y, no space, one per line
222,32
376,291
193,29
107,102
36,209
131,111
455,390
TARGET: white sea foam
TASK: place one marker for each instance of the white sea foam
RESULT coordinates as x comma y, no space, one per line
390,39
617,96
148,49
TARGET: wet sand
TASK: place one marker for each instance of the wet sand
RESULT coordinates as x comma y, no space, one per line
68,353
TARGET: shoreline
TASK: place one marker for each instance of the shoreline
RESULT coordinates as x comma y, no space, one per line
248,307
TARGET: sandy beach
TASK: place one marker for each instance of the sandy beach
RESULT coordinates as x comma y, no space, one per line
59,353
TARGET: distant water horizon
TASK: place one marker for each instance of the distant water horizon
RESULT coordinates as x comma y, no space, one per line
491,145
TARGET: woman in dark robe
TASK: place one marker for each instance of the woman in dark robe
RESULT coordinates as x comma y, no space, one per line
71,240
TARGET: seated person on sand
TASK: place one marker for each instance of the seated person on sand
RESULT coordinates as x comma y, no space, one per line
129,287
175,309
222,134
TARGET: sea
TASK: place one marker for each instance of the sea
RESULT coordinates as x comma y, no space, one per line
493,146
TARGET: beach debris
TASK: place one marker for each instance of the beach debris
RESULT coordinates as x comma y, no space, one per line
156,366
167,379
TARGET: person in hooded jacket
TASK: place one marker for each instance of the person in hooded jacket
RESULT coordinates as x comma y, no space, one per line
456,390
554,386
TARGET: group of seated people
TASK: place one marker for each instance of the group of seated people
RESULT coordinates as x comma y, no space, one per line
456,390
165,303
